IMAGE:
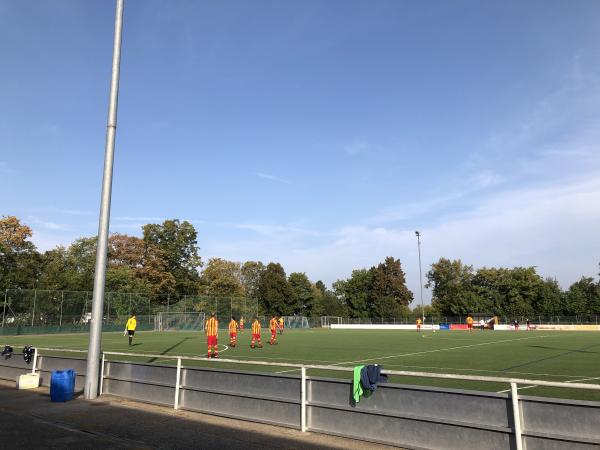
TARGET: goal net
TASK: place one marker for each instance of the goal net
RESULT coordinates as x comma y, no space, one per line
327,321
295,322
168,321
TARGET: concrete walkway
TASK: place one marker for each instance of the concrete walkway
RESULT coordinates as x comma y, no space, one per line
30,420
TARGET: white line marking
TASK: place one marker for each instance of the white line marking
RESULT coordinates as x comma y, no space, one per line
437,350
583,379
289,370
519,388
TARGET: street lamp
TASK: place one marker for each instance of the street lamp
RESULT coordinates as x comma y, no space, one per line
420,275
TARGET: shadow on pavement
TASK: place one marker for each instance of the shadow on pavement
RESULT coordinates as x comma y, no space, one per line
31,420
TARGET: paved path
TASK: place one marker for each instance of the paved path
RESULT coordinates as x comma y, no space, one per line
30,420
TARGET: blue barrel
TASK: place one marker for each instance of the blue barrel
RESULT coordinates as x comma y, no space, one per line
62,385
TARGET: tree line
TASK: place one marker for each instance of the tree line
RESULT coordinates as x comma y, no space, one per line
165,260
518,292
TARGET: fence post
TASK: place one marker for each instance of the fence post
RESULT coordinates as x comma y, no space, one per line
33,311
4,311
108,310
516,415
101,375
130,310
35,355
177,383
62,299
303,399
168,301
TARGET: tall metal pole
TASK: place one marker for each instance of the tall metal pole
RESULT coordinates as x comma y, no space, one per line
420,276
93,368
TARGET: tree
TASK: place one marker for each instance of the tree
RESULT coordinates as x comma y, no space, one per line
427,311
355,292
452,288
55,273
274,290
331,305
303,298
222,278
389,294
144,263
178,245
19,259
582,297
81,263
550,300
251,273
509,292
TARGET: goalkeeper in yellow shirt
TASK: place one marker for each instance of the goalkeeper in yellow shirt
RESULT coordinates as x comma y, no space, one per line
130,328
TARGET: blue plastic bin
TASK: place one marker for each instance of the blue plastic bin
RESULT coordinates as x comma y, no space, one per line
62,385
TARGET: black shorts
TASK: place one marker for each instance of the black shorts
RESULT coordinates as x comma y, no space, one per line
130,332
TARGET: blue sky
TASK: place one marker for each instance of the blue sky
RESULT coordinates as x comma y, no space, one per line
319,134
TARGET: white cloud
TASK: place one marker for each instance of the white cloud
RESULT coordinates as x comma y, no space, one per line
6,169
553,228
485,179
49,225
356,148
139,219
270,177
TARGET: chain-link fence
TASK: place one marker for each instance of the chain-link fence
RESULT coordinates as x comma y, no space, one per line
39,308
29,308
590,319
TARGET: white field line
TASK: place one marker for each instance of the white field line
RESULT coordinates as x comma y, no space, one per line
518,387
583,379
424,352
436,350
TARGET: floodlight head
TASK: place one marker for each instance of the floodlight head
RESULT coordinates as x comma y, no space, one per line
417,234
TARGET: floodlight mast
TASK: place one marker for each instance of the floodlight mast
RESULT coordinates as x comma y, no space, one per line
93,369
420,276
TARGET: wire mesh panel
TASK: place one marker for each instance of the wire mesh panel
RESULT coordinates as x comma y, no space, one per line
295,322
327,321
168,321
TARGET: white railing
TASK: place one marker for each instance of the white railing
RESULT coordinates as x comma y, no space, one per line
513,382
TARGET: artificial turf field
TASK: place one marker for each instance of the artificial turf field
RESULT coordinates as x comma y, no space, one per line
551,355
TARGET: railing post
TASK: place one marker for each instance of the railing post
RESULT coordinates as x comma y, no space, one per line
177,383
35,355
516,415
303,399
101,375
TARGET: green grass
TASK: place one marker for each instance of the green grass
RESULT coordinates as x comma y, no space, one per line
553,356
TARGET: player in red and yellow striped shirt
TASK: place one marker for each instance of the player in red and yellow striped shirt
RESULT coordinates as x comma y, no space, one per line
242,322
273,327
233,329
256,329
211,329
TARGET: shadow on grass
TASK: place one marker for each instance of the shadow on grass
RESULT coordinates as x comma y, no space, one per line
172,347
547,358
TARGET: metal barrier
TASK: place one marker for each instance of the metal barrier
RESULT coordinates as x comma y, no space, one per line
407,415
